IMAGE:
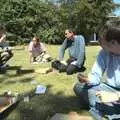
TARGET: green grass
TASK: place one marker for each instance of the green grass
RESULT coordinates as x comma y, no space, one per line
59,97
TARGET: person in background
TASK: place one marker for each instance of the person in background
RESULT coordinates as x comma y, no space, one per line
3,42
6,52
37,51
103,95
76,48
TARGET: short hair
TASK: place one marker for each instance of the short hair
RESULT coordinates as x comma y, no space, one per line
70,30
111,32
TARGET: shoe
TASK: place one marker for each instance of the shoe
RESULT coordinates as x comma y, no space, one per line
35,63
49,59
82,69
4,66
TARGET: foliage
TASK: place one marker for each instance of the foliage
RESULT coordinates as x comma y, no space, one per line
86,17
25,18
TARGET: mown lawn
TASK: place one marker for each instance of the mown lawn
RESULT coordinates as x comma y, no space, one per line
59,97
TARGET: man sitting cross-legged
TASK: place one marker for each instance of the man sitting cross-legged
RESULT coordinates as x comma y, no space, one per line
103,98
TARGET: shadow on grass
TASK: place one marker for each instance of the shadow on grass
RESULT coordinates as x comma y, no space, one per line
43,107
4,71
13,67
24,80
18,69
7,75
24,71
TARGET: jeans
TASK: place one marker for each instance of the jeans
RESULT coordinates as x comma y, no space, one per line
97,109
71,69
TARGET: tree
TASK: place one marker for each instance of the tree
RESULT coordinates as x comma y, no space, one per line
25,18
87,17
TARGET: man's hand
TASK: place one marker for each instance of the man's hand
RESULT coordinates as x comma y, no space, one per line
31,57
82,78
63,62
74,63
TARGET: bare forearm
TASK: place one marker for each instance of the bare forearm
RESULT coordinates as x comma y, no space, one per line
31,57
2,38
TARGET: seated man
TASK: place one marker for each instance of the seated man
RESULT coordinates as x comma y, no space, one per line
6,52
5,55
3,42
38,51
103,98
76,49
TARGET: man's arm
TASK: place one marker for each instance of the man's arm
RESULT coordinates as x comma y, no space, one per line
98,70
43,48
2,38
30,47
31,57
81,56
62,50
81,51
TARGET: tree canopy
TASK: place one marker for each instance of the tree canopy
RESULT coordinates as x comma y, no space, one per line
25,18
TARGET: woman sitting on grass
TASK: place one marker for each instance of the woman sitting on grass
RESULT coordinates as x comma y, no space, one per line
38,51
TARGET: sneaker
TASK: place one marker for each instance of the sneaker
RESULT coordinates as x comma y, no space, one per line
4,66
35,63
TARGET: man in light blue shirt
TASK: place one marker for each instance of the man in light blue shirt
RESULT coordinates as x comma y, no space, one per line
108,62
76,48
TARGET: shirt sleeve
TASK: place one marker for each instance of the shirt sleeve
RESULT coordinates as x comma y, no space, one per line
62,50
30,47
43,48
98,68
81,47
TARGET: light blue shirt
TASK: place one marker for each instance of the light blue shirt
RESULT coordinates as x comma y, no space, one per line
76,50
108,63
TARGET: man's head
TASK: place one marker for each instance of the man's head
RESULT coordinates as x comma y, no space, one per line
36,40
69,34
110,39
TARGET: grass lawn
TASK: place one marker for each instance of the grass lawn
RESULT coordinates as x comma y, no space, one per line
59,97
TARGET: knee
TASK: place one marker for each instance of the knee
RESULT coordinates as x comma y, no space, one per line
77,88
69,72
71,69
